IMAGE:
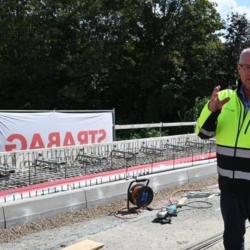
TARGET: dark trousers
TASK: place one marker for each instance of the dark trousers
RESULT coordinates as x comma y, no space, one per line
235,211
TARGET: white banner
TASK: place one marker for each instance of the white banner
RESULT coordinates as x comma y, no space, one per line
25,131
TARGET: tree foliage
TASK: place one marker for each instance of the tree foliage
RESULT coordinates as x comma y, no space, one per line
237,38
149,60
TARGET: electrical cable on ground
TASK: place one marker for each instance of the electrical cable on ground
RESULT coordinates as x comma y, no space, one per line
196,207
123,213
126,213
186,190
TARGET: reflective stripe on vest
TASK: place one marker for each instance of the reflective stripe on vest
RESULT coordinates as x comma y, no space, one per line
243,153
207,133
237,174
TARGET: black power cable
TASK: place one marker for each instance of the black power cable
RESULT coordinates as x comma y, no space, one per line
209,204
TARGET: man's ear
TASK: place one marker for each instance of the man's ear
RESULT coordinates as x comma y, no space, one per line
238,68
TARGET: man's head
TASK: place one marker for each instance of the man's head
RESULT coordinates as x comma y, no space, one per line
244,68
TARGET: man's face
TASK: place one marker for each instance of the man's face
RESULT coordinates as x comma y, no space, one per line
244,70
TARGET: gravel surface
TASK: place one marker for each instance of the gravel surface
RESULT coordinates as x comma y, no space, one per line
12,237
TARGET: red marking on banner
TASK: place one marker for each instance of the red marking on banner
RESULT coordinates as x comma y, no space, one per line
55,139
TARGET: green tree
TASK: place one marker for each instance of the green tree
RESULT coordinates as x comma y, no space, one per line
237,38
147,59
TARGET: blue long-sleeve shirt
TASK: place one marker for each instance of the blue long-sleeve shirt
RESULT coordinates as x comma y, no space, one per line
245,102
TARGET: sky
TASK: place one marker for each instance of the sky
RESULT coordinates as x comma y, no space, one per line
227,6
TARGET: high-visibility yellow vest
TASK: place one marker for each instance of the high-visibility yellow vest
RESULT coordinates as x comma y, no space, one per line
231,128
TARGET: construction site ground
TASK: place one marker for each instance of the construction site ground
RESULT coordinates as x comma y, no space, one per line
198,225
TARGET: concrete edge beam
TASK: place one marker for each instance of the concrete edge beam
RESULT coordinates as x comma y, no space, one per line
202,172
105,193
24,211
168,179
99,195
2,219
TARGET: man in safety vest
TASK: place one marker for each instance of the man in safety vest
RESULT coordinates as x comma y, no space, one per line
227,118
